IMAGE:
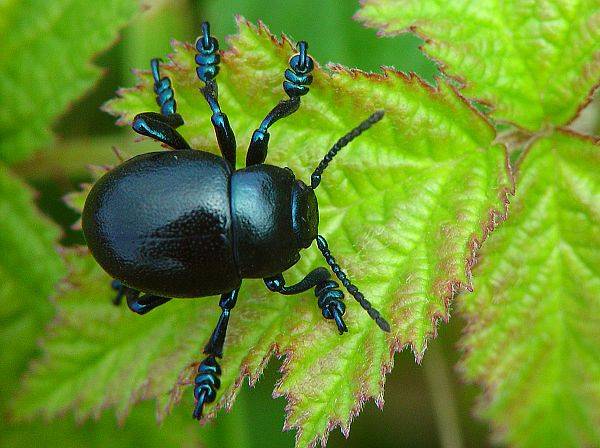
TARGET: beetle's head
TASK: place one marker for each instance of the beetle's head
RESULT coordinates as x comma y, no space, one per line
305,214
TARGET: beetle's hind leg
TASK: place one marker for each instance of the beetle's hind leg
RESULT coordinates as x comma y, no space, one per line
120,289
137,304
208,59
207,379
145,303
161,126
165,96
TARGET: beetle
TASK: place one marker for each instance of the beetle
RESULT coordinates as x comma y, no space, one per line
187,223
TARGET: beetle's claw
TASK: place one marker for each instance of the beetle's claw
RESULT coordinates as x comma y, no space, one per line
339,320
199,406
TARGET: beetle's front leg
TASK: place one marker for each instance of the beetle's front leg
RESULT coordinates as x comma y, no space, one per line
297,80
207,380
326,290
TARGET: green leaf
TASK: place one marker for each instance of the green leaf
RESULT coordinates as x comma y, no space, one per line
140,430
533,334
29,270
76,199
403,207
45,54
534,62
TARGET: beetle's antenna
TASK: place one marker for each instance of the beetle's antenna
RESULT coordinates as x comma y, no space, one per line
353,290
315,178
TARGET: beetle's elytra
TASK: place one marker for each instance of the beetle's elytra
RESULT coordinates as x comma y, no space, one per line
186,223
198,227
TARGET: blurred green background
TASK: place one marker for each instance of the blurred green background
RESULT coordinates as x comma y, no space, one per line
425,405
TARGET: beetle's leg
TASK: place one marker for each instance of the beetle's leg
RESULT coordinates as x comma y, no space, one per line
156,126
297,80
208,66
146,303
350,287
326,290
143,304
161,126
120,288
165,97
207,380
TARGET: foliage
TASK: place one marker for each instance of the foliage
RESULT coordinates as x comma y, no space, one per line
140,430
27,278
45,55
534,323
29,271
532,335
420,192
45,65
533,62
394,195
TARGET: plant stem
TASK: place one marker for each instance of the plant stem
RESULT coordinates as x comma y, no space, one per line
442,397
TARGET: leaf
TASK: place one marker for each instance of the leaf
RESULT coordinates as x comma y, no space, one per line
76,199
533,333
534,62
140,430
45,55
403,207
29,269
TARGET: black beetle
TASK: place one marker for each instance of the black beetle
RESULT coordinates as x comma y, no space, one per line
186,223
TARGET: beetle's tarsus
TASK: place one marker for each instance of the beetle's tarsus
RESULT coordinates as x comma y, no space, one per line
330,301
329,296
207,60
161,126
165,96
339,320
197,414
298,77
351,288
206,384
208,57
207,380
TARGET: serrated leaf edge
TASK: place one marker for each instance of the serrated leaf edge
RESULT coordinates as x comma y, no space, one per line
470,320
463,82
452,287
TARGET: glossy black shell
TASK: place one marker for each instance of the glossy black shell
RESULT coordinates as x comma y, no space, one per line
182,224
